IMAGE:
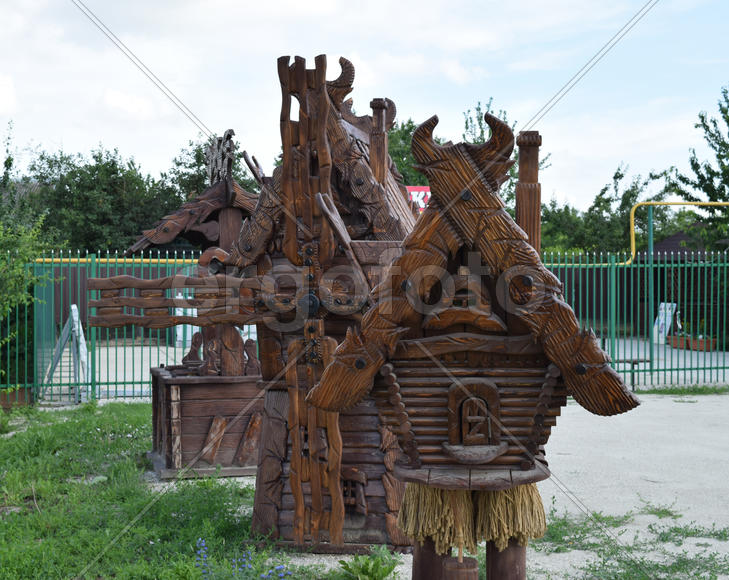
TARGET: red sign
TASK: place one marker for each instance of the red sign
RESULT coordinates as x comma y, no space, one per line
420,194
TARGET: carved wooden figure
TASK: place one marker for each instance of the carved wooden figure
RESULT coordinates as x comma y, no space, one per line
315,242
433,349
469,351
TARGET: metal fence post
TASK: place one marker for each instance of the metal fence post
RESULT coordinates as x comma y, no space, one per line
91,273
612,304
651,291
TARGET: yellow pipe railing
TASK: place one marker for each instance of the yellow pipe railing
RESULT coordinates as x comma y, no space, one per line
85,260
654,203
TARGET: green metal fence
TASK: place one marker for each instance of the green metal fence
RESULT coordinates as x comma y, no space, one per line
662,318
57,358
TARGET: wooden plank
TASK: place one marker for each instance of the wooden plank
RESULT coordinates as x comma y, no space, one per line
247,453
442,380
295,476
314,473
213,439
243,389
201,408
334,468
505,376
273,451
219,281
466,342
199,425
162,321
176,426
207,472
199,301
360,423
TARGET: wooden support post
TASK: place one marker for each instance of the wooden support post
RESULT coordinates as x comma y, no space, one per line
176,426
427,564
528,189
230,220
509,564
378,140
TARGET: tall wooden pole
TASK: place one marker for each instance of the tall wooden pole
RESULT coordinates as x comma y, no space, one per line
528,189
378,140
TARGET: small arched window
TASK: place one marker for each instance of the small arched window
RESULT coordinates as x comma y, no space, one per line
473,413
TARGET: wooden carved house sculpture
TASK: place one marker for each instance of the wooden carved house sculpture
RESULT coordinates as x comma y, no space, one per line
469,351
206,410
324,478
300,267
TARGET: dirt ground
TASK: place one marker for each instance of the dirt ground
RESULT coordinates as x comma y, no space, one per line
670,451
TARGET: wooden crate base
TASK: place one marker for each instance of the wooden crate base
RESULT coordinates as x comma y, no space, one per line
193,472
204,425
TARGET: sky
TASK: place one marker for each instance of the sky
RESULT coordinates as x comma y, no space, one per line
65,86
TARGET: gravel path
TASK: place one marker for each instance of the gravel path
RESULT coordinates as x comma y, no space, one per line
669,451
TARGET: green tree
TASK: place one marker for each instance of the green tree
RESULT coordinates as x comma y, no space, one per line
562,227
100,202
399,139
606,224
188,175
21,240
476,130
709,180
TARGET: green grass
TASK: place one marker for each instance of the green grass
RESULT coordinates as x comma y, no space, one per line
658,510
615,555
566,532
686,390
72,481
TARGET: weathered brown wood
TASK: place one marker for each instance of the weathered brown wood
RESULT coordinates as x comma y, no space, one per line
454,569
198,408
510,564
213,439
217,471
232,362
336,201
378,140
528,190
252,365
427,564
158,302
376,252
230,220
269,481
295,350
218,282
247,453
315,475
176,426
118,320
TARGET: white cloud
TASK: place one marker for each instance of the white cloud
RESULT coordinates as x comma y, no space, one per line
8,99
132,106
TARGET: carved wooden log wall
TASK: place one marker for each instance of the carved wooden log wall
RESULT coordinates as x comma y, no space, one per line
190,414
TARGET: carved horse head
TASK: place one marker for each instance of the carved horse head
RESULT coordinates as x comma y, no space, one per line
349,376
